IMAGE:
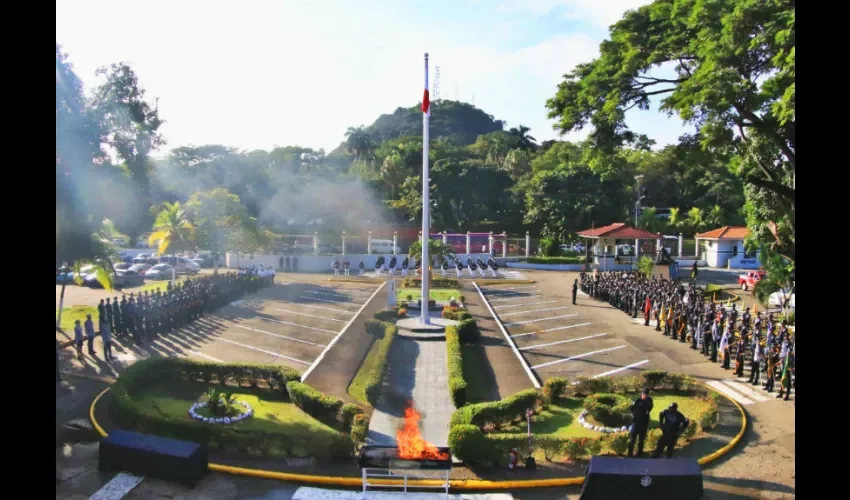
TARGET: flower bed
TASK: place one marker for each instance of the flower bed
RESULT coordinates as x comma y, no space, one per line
152,396
566,426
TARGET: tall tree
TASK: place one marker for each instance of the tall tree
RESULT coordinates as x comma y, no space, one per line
734,64
131,127
359,143
78,153
172,229
219,219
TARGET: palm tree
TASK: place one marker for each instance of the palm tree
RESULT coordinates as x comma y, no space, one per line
675,219
172,229
696,219
523,140
359,143
394,172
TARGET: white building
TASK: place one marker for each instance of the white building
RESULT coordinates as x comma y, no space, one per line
724,247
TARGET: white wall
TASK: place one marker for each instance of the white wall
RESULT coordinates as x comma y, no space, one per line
320,263
728,254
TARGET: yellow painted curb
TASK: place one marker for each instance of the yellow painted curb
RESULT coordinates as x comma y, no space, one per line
457,484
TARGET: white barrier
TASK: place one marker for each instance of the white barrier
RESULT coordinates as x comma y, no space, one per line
322,263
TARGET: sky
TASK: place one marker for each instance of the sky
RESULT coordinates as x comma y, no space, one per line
258,74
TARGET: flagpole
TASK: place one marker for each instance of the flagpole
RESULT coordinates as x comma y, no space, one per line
426,216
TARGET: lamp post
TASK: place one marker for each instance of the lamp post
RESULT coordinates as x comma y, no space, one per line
369,243
316,243
343,243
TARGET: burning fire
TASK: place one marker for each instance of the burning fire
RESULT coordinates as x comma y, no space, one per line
411,446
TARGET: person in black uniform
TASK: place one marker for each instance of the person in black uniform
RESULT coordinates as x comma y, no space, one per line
116,317
286,263
294,264
361,266
641,409
672,424
575,293
101,312
109,320
393,262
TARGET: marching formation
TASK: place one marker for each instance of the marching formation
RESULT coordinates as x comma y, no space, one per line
148,314
683,313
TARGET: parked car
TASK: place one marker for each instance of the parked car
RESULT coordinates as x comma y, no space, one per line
122,266
120,279
140,268
68,276
159,272
383,246
780,298
146,258
181,264
749,279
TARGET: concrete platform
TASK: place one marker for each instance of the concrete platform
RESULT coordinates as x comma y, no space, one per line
413,324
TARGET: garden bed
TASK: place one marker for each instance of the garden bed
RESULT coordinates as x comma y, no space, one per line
438,294
365,387
276,414
483,434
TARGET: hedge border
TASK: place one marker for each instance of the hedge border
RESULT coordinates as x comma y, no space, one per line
280,380
457,383
456,484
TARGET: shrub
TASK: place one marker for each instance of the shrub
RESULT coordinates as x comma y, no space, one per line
550,445
314,403
457,384
464,315
468,331
497,413
375,377
611,410
359,428
575,448
618,442
461,299
387,315
375,327
628,384
347,414
587,386
594,446
409,297
402,312
652,438
679,382
502,444
709,418
653,378
554,389
469,444
691,430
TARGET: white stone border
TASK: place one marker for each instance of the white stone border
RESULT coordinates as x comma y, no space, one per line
599,428
220,420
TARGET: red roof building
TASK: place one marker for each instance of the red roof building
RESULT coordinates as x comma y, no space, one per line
725,233
619,231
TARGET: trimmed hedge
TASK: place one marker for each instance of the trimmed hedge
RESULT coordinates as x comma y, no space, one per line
126,411
497,413
555,389
611,410
375,377
388,315
323,408
154,370
435,282
468,331
457,384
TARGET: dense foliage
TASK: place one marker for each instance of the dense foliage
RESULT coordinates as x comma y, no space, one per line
727,67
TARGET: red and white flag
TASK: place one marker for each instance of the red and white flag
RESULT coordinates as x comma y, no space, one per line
426,101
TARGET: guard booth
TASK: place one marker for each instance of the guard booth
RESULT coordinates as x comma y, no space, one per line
603,241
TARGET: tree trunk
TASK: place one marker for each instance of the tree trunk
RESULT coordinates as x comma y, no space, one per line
61,304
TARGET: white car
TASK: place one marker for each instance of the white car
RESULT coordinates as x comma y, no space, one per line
159,272
779,297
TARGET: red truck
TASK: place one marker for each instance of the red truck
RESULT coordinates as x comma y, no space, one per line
750,279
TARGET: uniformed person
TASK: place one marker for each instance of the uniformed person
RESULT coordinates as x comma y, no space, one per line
672,424
575,291
641,408
116,317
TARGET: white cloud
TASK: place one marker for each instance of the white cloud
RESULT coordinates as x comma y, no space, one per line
601,13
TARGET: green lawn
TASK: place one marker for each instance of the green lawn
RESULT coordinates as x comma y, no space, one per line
434,293
477,373
69,314
270,413
357,388
562,420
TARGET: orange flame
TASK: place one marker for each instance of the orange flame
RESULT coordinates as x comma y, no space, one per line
411,446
